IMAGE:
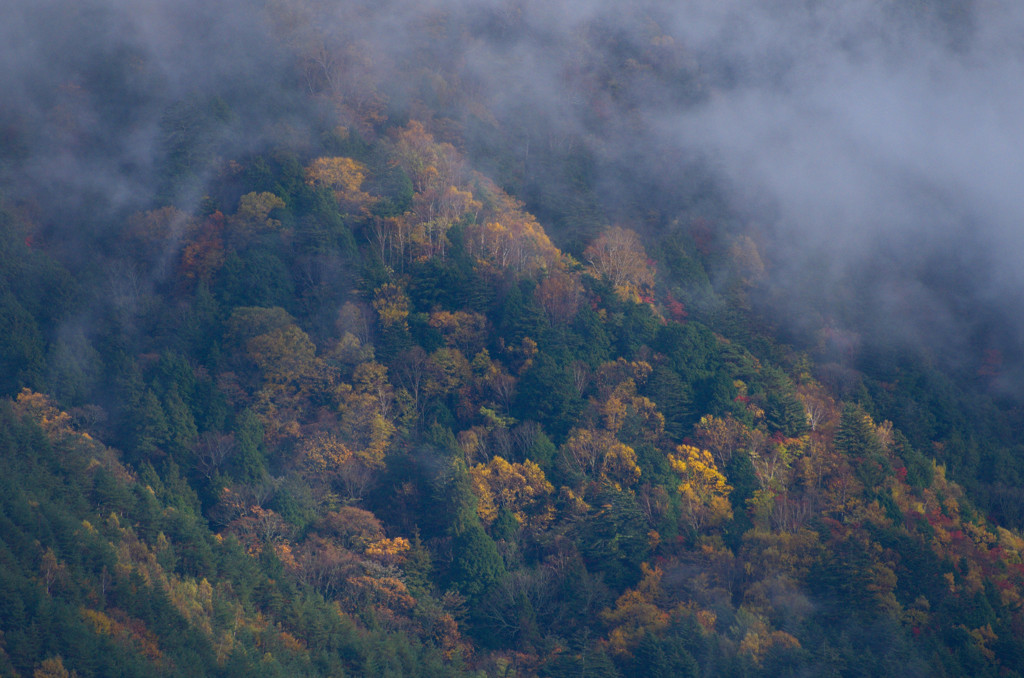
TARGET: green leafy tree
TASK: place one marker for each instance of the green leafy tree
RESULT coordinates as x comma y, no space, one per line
256,277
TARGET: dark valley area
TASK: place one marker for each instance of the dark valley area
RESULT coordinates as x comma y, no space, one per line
511,338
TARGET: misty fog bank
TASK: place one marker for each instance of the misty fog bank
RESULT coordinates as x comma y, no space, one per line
872,148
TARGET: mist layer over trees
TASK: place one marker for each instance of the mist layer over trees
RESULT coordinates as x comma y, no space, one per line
870,148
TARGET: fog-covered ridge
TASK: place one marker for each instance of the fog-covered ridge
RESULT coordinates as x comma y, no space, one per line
875,142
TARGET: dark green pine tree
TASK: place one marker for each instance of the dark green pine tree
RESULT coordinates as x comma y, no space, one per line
674,399
856,435
149,425
181,426
520,316
476,564
594,345
662,658
782,408
21,345
249,465
785,413
546,395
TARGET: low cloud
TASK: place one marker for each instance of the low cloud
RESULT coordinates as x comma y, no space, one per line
875,145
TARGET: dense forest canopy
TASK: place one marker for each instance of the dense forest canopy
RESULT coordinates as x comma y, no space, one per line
510,338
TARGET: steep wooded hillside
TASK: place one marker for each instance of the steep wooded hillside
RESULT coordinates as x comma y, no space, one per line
382,393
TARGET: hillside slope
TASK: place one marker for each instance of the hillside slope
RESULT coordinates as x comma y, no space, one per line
331,400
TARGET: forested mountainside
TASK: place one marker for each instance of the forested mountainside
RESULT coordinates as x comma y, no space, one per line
339,364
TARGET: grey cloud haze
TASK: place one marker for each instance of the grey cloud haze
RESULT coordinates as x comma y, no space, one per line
890,151
879,143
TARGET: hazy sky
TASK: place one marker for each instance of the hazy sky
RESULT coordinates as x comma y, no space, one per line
880,144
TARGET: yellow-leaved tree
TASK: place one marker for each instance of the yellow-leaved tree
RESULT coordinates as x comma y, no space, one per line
703,489
521,489
507,237
254,215
620,465
392,306
618,257
344,177
289,372
436,210
589,451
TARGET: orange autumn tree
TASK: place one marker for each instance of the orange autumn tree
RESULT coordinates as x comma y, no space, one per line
203,255
560,295
347,544
329,461
349,458
464,330
636,613
152,234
